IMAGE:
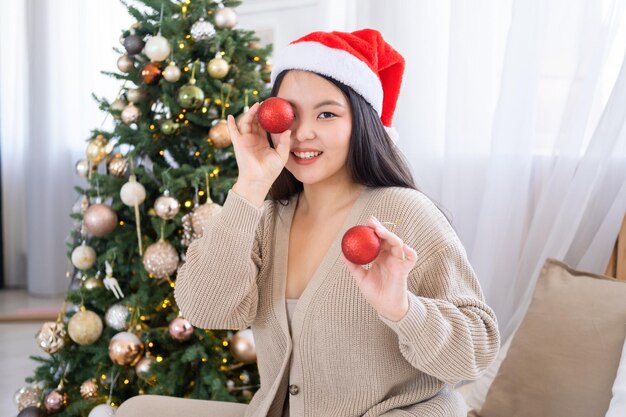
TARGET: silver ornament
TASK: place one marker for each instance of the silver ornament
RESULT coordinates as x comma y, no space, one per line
142,369
160,260
225,17
102,410
202,30
166,207
117,316
82,168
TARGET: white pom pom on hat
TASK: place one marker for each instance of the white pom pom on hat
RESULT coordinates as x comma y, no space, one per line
361,60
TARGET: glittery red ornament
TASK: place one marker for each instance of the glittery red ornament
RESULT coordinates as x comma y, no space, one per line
275,115
151,73
360,245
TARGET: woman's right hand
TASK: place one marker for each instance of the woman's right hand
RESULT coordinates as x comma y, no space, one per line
257,161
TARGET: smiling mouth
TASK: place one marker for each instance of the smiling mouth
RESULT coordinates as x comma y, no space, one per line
306,155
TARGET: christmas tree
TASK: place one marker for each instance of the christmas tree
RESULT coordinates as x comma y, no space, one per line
151,183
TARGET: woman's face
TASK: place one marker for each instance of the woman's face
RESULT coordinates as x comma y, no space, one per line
320,132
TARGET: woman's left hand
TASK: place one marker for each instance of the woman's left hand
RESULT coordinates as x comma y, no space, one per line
384,285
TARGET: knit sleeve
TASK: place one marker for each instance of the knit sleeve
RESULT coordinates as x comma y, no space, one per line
449,332
216,288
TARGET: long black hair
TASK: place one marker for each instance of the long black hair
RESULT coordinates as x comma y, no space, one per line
373,159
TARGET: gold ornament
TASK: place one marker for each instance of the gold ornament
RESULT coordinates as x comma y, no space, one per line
160,259
218,67
242,346
27,396
202,215
166,207
266,72
89,389
100,219
118,165
97,149
125,348
85,327
51,337
219,134
92,283
55,400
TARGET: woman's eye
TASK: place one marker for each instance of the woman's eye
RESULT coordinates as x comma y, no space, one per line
326,115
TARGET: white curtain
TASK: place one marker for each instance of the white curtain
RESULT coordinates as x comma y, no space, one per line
51,56
512,117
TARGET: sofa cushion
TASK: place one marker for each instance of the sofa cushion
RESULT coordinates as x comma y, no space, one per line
564,356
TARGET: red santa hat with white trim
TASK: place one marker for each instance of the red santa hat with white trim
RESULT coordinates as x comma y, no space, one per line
361,60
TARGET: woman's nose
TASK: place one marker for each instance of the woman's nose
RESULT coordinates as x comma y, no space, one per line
302,130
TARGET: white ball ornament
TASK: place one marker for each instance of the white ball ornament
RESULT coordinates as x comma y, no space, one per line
157,48
225,17
102,410
83,257
171,73
132,193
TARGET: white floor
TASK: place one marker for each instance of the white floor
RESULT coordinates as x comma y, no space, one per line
17,343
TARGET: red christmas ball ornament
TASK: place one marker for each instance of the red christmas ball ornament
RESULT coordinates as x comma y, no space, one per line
151,73
275,115
360,245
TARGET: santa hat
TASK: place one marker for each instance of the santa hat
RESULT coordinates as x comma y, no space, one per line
361,60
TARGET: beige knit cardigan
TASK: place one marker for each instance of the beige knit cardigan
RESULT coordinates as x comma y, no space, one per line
342,359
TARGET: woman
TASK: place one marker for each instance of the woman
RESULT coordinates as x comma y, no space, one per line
335,338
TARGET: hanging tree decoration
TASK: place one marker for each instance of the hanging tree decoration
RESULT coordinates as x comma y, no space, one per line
158,47
246,107
161,259
110,283
171,73
225,17
190,96
218,134
133,194
203,214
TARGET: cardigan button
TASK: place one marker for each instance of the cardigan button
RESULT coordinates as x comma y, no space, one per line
294,389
